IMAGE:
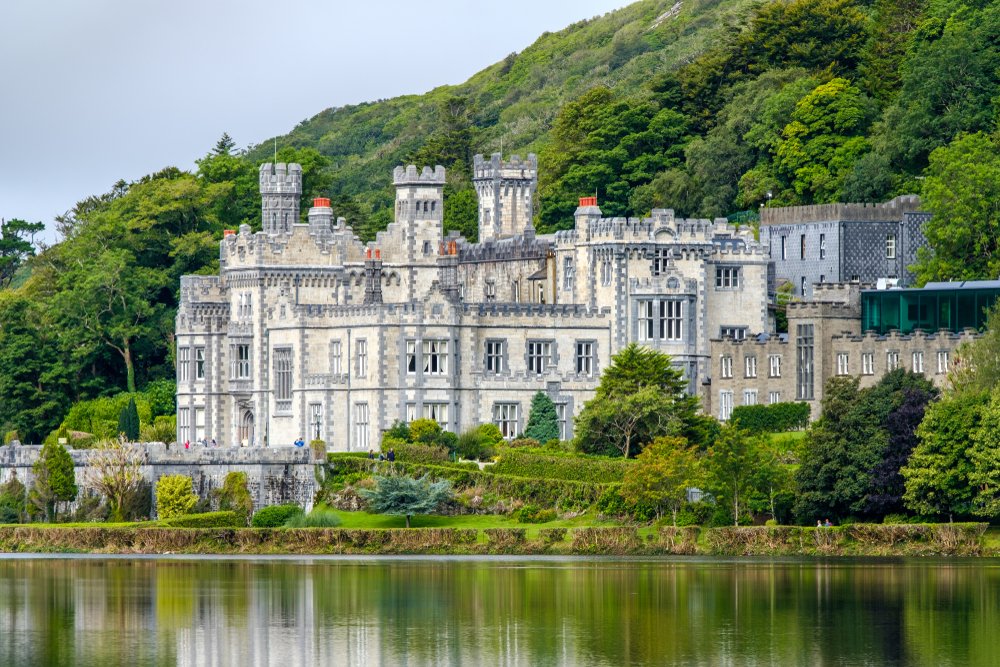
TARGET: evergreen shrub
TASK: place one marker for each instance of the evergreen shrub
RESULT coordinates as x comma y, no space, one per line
274,516
773,418
222,519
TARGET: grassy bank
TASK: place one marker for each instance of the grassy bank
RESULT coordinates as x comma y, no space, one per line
361,534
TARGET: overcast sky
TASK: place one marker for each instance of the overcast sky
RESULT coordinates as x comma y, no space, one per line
92,91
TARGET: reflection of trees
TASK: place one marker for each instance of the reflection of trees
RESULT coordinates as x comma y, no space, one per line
691,612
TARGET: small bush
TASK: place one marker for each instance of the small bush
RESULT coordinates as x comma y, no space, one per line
320,517
504,538
163,429
235,495
225,519
524,442
175,496
552,536
318,448
531,514
10,436
695,514
771,522
424,431
274,516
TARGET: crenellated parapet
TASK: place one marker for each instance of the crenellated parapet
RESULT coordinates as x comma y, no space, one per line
849,212
943,336
410,175
495,250
506,191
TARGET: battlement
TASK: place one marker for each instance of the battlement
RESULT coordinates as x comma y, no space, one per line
281,178
967,334
409,175
512,168
492,250
506,310
892,210
824,309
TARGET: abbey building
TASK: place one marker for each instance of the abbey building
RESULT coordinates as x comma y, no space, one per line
309,333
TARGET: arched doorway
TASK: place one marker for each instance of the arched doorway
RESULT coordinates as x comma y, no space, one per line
246,430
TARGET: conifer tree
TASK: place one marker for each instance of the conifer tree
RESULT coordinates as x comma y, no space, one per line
543,423
128,421
55,479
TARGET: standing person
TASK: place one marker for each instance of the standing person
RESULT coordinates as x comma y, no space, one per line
392,454
214,443
827,524
187,444
819,523
371,454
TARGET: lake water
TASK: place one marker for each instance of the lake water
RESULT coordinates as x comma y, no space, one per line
103,610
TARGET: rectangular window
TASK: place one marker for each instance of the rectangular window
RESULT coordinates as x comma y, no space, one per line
891,361
784,247
802,246
183,364
335,358
241,362
568,273
774,366
671,320
918,362
890,246
868,363
736,333
647,320
727,277
606,272
184,425
490,290
802,286
725,405
361,426
563,419
435,353
804,347
515,291
316,421
942,362
750,366
505,417
822,247
585,358
411,412
749,397
283,379
540,292
661,259
726,366
495,352
539,356
199,424
199,363
842,364
822,279
362,352
438,412
773,397
411,357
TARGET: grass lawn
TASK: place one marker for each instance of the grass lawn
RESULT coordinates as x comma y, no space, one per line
785,441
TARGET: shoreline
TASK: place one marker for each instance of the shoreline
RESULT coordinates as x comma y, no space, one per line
856,540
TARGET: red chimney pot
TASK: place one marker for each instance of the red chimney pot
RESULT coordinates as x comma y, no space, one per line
588,201
321,202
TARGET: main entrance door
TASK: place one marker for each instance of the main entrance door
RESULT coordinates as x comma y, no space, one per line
246,433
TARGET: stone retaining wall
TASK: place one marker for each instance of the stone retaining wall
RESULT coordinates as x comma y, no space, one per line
275,476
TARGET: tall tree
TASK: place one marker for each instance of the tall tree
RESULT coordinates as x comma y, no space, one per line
961,189
55,479
662,474
115,471
937,474
641,396
735,462
15,246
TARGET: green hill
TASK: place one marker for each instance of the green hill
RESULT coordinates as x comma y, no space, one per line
709,108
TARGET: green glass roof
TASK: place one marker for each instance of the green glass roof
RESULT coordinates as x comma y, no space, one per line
950,306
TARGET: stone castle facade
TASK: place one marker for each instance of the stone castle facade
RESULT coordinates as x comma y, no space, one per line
309,333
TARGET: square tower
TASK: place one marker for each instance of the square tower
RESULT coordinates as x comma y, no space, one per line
506,192
280,191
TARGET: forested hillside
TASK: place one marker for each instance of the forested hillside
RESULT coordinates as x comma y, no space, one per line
709,108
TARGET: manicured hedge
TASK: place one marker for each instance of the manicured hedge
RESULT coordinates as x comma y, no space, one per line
773,418
555,493
418,453
592,469
224,519
274,516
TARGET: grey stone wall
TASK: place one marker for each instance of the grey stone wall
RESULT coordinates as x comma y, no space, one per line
275,476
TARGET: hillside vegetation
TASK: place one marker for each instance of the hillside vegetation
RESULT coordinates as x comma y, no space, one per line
709,108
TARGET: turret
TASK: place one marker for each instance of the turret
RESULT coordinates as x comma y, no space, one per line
419,195
506,192
280,190
320,217
448,269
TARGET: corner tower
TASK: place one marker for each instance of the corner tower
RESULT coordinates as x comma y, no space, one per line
419,194
280,191
506,193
